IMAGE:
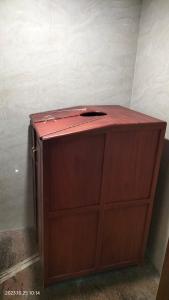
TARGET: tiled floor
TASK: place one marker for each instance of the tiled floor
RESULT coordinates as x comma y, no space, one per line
134,283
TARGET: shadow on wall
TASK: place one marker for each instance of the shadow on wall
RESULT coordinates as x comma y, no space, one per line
30,217
30,201
160,222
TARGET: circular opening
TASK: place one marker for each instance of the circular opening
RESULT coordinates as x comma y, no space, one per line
93,114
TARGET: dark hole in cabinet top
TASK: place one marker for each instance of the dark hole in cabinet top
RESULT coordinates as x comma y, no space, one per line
93,113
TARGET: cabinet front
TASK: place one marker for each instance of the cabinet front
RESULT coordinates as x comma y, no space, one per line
97,193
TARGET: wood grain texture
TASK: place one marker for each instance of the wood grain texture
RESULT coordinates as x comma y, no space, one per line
129,164
69,121
76,165
72,239
123,231
96,190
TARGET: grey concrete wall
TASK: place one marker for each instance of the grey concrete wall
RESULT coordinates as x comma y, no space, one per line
54,54
151,95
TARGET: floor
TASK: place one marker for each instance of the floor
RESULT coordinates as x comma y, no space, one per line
15,246
133,283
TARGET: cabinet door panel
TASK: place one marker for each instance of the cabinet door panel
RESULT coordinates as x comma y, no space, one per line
72,243
75,171
123,232
129,164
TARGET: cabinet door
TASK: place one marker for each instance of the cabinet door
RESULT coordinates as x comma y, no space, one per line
123,233
71,242
75,171
129,163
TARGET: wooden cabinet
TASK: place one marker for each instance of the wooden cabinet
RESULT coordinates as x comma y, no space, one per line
95,173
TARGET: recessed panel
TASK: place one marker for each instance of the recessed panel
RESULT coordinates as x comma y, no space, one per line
72,243
129,163
123,232
75,171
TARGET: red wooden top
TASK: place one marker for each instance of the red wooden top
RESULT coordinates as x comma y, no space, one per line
83,118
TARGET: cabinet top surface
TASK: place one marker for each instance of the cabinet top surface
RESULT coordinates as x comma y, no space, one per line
71,120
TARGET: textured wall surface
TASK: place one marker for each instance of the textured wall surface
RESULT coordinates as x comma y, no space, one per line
151,81
54,54
151,95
